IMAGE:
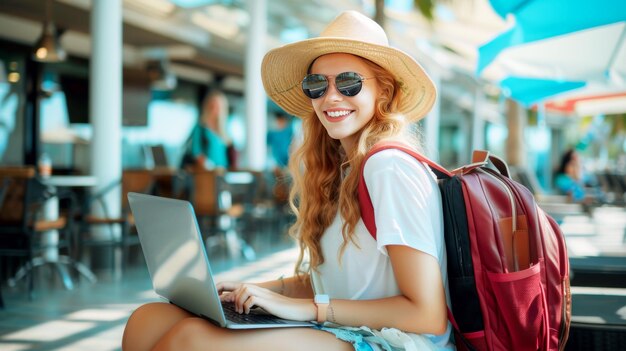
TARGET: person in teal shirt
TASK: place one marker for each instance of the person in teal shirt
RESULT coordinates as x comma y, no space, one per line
571,181
568,178
207,146
279,140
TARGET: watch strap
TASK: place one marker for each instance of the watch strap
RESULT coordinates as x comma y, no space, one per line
322,302
322,309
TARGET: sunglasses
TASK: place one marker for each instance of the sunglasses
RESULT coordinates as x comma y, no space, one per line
347,83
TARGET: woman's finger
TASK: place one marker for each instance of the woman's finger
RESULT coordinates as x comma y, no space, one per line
250,302
245,291
226,286
227,297
242,294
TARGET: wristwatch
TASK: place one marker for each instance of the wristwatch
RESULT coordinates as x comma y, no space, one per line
321,301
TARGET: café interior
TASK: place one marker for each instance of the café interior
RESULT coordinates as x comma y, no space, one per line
98,99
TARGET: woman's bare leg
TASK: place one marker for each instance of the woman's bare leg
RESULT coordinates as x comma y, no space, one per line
198,334
162,327
149,323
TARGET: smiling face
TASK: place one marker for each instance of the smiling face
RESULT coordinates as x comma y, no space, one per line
343,116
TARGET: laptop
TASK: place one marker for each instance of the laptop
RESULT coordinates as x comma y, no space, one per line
158,155
179,266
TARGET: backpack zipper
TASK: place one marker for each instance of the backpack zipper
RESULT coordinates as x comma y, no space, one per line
457,240
513,213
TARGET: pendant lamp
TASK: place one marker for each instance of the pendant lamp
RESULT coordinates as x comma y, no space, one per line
48,48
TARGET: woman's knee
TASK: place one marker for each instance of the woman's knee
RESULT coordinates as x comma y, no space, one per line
191,334
148,323
145,314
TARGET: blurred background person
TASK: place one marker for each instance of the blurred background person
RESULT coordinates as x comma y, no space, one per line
279,140
208,144
570,180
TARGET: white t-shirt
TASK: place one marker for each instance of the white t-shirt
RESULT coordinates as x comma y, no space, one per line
407,208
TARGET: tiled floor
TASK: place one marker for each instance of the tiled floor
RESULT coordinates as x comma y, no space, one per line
92,316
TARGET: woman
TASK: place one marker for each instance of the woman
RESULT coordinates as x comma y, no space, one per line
570,180
208,142
351,90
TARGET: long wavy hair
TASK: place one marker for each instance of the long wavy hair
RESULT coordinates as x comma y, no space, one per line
322,182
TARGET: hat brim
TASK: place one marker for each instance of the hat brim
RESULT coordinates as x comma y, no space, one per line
284,68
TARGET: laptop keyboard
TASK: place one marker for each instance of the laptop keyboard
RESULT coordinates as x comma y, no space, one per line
253,318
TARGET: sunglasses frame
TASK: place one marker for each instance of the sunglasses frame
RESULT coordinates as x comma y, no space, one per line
327,79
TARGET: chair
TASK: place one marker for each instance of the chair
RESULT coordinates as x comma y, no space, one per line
216,212
21,212
280,197
245,189
614,186
133,180
264,196
204,195
557,206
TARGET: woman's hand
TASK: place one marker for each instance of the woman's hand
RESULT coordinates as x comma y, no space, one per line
223,287
245,296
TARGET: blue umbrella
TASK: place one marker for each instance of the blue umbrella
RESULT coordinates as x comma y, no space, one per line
528,91
558,45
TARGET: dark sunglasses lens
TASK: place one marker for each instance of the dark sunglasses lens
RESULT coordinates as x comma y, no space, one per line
349,83
314,85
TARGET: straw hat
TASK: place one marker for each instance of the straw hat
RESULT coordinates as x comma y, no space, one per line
284,68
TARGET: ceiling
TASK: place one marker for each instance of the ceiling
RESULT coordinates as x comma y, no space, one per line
171,31
209,41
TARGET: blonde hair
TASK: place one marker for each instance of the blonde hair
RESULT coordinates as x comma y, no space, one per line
215,110
317,194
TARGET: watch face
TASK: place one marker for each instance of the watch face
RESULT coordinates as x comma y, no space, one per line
322,299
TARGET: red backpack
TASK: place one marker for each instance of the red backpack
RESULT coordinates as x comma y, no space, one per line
508,271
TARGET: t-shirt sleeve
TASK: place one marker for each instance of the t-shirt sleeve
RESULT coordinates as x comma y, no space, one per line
406,202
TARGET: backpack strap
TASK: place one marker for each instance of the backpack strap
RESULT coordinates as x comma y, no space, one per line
365,202
482,157
367,209
458,335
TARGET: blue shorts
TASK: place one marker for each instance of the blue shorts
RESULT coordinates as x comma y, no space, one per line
353,337
387,339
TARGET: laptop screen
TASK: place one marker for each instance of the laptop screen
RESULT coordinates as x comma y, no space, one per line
158,155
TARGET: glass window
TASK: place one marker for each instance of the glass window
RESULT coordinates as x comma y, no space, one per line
12,97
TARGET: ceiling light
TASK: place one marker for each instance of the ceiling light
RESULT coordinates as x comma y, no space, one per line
48,48
13,77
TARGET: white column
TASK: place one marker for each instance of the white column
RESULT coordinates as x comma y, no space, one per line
105,98
256,108
432,120
516,123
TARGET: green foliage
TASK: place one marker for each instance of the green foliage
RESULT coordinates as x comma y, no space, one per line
426,8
